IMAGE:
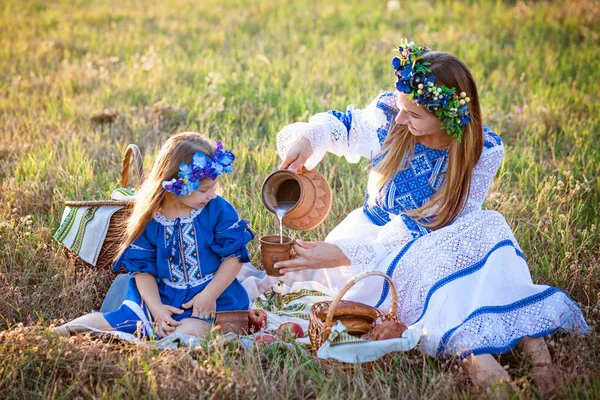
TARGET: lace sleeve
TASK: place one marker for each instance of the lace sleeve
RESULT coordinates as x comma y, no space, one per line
365,253
484,171
353,134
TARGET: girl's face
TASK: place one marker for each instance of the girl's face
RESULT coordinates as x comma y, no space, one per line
205,193
419,121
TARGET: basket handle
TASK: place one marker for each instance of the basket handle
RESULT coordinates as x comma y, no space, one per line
132,149
347,286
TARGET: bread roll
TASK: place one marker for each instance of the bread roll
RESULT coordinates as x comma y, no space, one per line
355,325
388,330
351,309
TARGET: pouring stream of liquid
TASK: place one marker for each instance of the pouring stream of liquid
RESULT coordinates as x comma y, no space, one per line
282,208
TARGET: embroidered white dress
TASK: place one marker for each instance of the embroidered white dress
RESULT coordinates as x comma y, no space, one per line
466,286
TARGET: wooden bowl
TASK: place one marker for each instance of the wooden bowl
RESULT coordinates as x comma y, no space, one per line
232,321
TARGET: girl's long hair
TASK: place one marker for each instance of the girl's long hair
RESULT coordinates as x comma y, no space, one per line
445,205
149,198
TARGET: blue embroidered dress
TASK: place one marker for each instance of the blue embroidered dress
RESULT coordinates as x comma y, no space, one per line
466,286
183,255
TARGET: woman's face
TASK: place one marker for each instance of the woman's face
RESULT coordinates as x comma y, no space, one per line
205,193
419,121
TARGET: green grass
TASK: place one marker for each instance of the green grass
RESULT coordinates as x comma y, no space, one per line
239,71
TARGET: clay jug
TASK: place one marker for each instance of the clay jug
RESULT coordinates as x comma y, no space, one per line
307,197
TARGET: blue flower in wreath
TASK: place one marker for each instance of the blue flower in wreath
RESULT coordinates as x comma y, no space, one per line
185,170
200,160
223,158
402,86
416,79
445,100
175,186
465,120
210,171
463,111
406,72
433,105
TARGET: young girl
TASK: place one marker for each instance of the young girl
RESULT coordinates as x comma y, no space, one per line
459,272
184,244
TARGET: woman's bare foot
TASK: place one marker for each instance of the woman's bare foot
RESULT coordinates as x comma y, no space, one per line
485,371
543,373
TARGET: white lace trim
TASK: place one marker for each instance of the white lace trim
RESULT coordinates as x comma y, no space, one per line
327,133
161,219
495,330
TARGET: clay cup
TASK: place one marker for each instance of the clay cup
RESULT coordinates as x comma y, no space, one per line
272,251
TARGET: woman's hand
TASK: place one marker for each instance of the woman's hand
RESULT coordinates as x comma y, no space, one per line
313,255
203,305
297,156
165,324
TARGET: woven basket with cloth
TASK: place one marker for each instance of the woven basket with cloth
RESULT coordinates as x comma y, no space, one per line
334,346
93,230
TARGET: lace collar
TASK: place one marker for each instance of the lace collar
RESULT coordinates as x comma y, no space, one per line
161,219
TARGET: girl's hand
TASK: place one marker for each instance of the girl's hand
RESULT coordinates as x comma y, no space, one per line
313,255
297,156
165,324
204,305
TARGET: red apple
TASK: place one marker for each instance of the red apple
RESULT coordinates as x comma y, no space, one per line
264,339
257,320
290,330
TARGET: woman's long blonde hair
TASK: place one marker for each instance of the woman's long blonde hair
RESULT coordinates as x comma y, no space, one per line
149,198
399,146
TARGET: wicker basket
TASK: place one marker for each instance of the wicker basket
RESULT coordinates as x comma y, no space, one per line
318,331
117,222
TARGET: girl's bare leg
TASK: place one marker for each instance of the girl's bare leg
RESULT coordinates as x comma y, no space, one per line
485,371
193,326
542,372
94,320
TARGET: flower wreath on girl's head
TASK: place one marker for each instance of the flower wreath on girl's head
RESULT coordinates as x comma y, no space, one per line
416,80
201,167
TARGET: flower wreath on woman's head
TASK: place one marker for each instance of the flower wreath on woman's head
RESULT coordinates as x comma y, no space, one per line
416,80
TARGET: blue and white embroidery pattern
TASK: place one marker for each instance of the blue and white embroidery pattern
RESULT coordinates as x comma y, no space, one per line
410,189
491,139
387,104
188,267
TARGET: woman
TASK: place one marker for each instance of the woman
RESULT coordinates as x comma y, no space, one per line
459,272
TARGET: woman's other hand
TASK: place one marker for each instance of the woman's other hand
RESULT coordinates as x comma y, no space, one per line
297,156
313,255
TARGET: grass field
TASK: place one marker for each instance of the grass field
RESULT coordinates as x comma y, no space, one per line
240,71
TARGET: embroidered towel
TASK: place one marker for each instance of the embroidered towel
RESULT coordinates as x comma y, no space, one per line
83,230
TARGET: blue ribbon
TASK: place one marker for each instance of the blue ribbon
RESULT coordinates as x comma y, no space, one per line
172,245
